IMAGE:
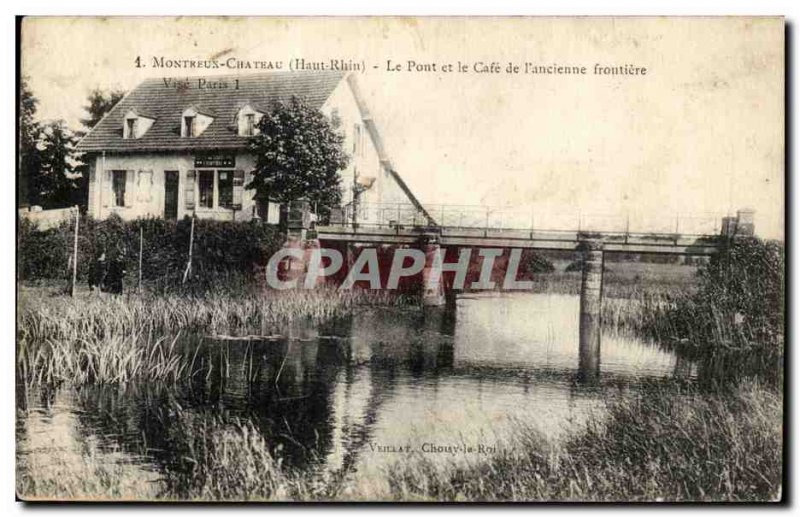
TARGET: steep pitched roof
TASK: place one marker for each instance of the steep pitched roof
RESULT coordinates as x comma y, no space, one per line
166,102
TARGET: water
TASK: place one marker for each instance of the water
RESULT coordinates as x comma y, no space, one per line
363,392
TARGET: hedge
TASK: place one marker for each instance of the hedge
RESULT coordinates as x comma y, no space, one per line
220,247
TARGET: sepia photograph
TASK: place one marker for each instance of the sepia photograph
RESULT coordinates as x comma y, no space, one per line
400,259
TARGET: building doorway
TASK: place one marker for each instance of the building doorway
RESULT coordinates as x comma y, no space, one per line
171,195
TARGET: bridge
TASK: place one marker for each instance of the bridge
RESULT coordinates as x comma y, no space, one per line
593,235
501,227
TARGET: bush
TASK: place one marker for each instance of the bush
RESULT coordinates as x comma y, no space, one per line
536,263
220,248
734,321
42,253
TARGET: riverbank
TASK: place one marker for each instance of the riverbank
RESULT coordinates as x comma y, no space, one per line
671,445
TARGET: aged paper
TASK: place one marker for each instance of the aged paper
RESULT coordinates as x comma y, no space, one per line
401,259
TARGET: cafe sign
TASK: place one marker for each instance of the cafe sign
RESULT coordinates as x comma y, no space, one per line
215,160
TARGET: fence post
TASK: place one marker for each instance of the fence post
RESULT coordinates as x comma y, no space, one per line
191,242
627,226
141,240
75,254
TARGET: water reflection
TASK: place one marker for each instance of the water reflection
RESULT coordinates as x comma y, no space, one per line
333,397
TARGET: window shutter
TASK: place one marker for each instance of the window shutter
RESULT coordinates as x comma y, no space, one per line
130,187
144,186
238,188
107,192
188,194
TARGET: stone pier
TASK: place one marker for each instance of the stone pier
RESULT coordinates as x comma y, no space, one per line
299,235
591,310
432,292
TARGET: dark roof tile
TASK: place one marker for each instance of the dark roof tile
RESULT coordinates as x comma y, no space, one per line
156,99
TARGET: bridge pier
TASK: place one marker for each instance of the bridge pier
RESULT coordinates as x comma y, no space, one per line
299,236
432,285
591,310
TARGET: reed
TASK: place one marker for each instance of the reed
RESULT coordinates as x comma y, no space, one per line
116,339
666,446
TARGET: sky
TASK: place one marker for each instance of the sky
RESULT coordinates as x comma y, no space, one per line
700,135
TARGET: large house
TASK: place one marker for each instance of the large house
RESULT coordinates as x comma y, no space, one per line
176,147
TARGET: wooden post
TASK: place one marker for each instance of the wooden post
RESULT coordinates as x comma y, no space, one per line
590,311
191,244
141,241
75,254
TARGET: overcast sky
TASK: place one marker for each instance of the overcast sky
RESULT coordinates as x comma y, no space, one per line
700,133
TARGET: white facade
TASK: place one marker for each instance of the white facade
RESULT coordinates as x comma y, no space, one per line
145,192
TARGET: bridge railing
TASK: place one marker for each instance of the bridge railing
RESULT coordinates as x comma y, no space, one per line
391,215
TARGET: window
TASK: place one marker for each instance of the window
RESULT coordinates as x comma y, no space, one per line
135,125
131,129
118,185
247,120
188,123
206,187
250,124
225,185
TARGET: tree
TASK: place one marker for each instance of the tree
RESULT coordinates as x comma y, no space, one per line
299,153
100,102
28,131
56,182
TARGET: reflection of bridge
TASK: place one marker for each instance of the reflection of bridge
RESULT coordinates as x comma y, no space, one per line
408,226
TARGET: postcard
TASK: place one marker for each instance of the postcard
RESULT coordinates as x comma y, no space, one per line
400,259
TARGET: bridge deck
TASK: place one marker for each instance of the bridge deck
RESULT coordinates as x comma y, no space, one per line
674,244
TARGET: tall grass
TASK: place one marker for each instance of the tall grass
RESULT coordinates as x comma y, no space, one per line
665,446
116,339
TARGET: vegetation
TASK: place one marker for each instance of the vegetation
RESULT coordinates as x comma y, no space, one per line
51,173
734,320
221,249
664,446
299,153
536,263
113,339
99,102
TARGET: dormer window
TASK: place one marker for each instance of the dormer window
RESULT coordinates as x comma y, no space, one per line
131,127
250,124
247,121
188,123
135,125
193,123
